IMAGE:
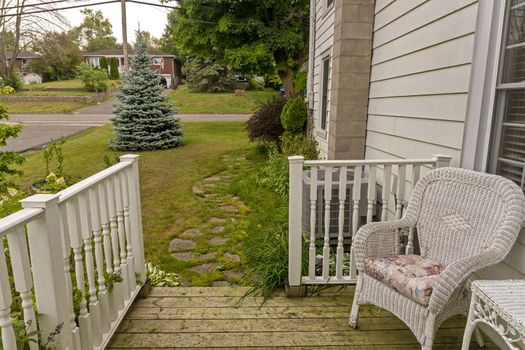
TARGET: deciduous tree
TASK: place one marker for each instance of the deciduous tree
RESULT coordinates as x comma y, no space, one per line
95,32
60,56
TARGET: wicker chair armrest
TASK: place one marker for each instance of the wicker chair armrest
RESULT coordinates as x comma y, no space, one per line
455,275
377,239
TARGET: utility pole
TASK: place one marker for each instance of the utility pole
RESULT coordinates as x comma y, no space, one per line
124,35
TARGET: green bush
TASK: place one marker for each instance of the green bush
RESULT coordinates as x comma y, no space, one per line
14,81
8,160
300,82
95,80
274,175
293,116
104,64
208,76
113,70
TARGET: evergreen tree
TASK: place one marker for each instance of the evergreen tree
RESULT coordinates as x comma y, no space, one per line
104,64
144,120
113,70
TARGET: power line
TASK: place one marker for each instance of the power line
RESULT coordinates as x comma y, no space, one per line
61,8
149,3
38,4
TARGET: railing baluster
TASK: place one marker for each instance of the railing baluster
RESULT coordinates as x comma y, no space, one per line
127,228
104,219
84,318
327,206
121,236
341,222
387,175
416,173
102,295
400,190
356,199
87,236
117,288
19,254
313,222
66,253
6,324
371,195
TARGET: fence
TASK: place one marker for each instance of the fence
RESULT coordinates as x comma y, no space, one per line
330,195
70,250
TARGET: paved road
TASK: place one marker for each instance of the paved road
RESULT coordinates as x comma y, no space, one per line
40,128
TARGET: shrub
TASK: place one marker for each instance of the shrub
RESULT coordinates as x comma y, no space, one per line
94,80
300,82
208,76
104,64
274,175
293,116
265,124
6,90
14,81
8,159
113,70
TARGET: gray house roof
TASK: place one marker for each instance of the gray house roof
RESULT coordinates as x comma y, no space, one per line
119,52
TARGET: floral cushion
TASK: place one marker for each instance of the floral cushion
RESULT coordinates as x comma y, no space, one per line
410,275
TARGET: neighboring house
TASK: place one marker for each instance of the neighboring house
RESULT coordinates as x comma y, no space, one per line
166,65
412,78
23,59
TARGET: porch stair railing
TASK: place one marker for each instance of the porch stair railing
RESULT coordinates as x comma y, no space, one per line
70,246
330,199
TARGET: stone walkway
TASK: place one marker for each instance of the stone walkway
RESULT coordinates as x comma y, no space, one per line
213,249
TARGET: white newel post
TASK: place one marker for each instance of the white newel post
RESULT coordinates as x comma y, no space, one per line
45,246
442,160
295,229
135,216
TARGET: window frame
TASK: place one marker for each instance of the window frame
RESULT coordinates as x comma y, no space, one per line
324,83
154,59
500,94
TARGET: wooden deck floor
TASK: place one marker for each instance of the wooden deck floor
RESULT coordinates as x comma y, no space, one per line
195,317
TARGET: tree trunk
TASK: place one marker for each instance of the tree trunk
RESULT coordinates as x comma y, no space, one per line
287,77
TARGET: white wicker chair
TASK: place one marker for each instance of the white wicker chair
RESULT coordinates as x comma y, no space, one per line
465,220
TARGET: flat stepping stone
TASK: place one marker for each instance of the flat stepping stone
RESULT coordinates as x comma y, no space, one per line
212,178
205,268
231,257
220,284
192,233
207,256
181,245
229,208
217,229
217,241
184,256
234,274
217,221
197,190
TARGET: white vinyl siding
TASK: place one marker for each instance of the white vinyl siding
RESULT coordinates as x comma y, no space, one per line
421,64
324,33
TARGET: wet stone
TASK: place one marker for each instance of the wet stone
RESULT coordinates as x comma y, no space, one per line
232,257
205,268
192,233
217,229
217,241
181,245
184,256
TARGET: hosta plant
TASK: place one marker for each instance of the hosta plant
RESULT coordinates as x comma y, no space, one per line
161,278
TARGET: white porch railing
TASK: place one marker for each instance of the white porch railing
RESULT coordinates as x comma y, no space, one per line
71,243
359,192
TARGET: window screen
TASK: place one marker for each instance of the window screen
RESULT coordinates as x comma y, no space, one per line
324,97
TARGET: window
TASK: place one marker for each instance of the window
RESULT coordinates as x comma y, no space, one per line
324,91
157,61
508,140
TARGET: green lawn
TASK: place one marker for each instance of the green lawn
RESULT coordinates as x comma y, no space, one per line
42,106
199,102
53,93
169,205
61,84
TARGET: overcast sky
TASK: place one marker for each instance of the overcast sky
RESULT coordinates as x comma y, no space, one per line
151,18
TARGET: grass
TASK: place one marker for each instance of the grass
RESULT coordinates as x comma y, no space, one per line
61,84
199,102
24,107
52,93
169,205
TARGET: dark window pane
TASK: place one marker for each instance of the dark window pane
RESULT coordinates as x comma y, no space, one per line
514,68
324,97
516,33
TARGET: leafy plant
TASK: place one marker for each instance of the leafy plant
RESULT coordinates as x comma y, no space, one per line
104,64
8,159
294,116
111,280
14,81
161,278
95,80
6,90
54,149
265,124
110,161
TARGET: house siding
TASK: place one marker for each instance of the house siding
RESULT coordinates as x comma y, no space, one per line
419,89
324,38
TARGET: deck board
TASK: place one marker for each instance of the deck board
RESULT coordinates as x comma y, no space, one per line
220,318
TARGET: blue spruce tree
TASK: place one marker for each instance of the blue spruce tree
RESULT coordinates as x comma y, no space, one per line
144,120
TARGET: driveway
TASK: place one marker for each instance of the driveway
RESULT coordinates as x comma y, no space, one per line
40,128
